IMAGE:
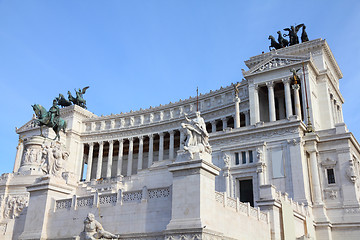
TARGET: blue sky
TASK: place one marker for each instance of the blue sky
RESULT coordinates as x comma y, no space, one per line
136,54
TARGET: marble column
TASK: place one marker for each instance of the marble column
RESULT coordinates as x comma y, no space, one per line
224,122
272,110
161,147
237,112
89,162
256,104
80,164
110,159
315,178
247,117
140,155
151,150
296,88
182,136
19,154
100,158
120,157
213,126
130,156
171,147
288,104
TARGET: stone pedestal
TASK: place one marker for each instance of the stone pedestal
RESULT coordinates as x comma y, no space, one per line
193,194
42,197
31,157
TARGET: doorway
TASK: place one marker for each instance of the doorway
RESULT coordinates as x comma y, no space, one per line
246,191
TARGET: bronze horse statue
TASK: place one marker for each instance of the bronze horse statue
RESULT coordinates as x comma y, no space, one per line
44,119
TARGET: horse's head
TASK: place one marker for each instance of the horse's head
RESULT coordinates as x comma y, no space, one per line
271,37
39,110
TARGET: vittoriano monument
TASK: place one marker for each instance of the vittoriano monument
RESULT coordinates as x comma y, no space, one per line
52,117
293,38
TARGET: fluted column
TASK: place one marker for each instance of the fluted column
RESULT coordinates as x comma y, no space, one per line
161,147
151,150
296,88
90,160
110,159
247,117
130,156
224,123
256,104
140,155
100,158
213,126
171,147
120,157
237,112
272,111
288,104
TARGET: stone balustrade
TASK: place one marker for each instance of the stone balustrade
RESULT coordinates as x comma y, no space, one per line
236,205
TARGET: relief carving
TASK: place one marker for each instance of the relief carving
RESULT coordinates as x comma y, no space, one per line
14,206
54,158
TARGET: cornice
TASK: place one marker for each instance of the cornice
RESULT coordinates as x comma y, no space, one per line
169,106
298,50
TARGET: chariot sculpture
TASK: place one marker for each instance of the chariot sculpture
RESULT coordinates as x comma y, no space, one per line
293,38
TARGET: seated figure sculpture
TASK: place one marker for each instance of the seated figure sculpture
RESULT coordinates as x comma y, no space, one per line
94,230
196,141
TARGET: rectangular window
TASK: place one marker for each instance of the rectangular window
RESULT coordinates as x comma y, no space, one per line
251,156
243,157
330,176
237,160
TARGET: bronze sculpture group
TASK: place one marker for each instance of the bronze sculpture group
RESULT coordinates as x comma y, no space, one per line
52,117
293,37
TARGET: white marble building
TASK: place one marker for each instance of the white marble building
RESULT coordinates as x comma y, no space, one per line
268,177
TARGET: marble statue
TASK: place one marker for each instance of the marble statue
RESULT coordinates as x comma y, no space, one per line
54,159
196,135
94,230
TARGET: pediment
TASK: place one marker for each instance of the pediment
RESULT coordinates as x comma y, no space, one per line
27,126
275,62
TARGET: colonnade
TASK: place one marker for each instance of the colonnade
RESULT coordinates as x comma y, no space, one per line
149,148
271,100
174,144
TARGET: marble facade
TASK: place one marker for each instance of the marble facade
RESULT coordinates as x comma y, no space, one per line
266,176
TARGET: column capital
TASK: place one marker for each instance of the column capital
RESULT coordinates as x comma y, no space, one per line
256,86
270,84
120,140
213,121
111,141
141,137
131,139
101,143
91,144
286,81
161,134
171,132
296,86
151,135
